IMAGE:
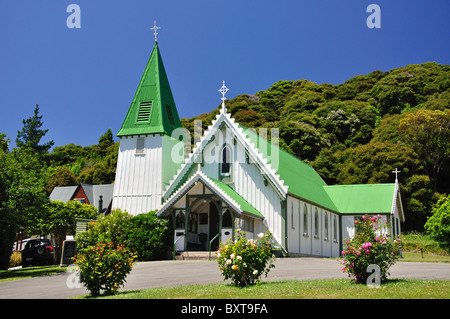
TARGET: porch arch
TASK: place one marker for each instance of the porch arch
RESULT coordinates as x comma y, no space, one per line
212,219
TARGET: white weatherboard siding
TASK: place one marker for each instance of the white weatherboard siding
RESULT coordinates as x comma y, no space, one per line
133,192
247,180
142,175
303,240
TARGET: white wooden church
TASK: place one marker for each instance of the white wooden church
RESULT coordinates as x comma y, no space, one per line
232,178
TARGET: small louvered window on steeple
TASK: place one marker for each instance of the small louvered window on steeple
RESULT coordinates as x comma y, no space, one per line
170,114
140,146
145,110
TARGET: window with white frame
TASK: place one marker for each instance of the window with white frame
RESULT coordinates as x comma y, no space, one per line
292,216
335,229
305,220
246,223
140,145
316,224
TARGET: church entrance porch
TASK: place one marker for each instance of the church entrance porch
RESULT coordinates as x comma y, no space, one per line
205,212
203,224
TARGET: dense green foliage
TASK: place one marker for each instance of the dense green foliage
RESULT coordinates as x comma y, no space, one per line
72,164
361,130
31,134
438,225
21,197
145,234
57,218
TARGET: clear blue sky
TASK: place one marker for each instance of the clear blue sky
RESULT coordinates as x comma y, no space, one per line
84,79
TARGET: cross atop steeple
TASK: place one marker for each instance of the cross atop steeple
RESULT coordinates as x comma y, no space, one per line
396,176
155,28
224,91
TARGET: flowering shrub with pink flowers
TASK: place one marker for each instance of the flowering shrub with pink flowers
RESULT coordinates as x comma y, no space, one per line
369,246
244,260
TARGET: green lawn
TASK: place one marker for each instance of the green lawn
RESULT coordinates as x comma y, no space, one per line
292,289
14,274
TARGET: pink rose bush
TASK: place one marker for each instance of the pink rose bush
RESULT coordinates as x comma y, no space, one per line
244,260
369,246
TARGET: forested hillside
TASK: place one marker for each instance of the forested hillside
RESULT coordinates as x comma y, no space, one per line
355,132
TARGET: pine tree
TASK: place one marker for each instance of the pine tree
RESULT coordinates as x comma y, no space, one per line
31,134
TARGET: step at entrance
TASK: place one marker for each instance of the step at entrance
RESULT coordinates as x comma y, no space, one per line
195,255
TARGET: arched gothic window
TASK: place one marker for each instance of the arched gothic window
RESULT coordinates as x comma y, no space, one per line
226,161
227,221
180,219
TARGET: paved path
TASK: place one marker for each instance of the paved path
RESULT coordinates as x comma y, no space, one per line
174,273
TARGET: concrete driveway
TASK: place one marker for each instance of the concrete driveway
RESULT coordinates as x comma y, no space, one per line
175,273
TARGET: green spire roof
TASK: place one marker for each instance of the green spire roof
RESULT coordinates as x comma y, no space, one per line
153,108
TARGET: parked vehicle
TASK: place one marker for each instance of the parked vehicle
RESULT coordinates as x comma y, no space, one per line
38,252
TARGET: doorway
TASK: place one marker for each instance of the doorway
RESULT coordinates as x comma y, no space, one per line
213,225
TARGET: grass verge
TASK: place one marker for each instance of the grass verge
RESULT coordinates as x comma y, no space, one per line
292,289
410,256
21,273
415,242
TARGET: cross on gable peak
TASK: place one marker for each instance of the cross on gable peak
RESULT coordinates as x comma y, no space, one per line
224,91
396,174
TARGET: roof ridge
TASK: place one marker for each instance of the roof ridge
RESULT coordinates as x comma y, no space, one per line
359,185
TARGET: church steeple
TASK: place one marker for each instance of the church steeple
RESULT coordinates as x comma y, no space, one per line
145,163
152,109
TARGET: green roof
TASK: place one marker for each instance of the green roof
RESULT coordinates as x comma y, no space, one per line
304,182
152,109
245,206
368,198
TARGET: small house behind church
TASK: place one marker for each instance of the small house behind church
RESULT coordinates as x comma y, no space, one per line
99,196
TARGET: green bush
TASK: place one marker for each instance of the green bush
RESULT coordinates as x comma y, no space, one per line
145,233
438,225
104,267
244,260
147,236
369,247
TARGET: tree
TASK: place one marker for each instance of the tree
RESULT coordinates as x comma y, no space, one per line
107,137
58,219
4,143
22,195
31,134
438,225
428,133
374,162
60,177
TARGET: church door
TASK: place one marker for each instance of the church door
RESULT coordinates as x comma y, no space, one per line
213,226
